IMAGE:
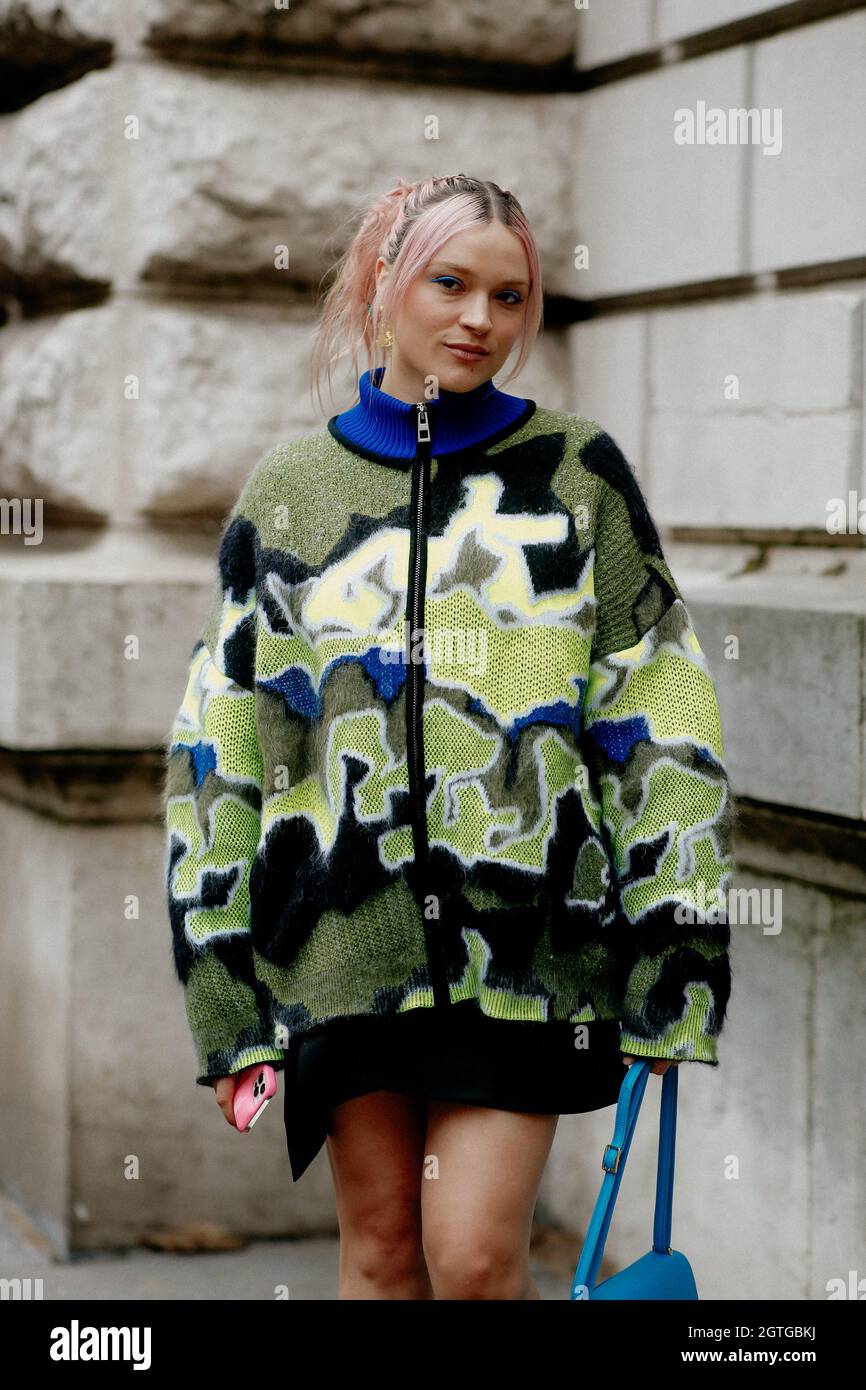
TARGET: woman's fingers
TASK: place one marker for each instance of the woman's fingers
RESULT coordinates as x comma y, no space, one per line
659,1065
225,1095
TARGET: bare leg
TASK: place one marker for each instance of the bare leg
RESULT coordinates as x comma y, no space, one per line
375,1148
478,1197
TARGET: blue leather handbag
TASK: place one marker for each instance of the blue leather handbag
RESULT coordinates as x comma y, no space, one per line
662,1272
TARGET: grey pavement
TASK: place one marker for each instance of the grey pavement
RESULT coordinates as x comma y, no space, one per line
307,1268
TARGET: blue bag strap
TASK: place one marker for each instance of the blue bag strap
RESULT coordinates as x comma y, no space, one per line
613,1162
667,1154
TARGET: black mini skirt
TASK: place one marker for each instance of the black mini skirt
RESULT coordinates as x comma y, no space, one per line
462,1055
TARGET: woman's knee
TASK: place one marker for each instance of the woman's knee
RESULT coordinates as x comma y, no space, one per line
382,1239
463,1264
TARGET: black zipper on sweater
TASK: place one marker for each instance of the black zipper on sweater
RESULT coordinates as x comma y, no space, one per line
415,700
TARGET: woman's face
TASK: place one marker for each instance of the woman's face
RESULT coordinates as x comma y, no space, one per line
473,292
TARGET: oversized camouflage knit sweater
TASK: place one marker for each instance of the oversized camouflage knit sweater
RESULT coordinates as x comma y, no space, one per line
448,734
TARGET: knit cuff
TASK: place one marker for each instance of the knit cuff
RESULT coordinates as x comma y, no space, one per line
690,1038
229,1050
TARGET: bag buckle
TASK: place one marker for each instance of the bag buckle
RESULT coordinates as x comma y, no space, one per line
607,1148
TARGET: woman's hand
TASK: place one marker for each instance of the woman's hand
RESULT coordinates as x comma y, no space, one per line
659,1064
225,1096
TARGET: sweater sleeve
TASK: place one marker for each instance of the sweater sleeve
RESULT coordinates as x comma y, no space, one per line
212,814
654,746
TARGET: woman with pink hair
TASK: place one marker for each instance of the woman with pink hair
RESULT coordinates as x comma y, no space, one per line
449,821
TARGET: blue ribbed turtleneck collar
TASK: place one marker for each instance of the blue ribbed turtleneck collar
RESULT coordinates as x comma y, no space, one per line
382,427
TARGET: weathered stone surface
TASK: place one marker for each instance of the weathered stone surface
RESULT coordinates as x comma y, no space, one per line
60,389
229,179
792,697
808,203
676,18
714,210
44,44
607,33
755,412
59,185
651,212
609,356
218,388
534,32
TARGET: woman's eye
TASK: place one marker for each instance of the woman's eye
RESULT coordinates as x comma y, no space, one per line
453,281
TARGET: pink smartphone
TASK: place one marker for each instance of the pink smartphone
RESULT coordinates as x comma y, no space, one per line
253,1091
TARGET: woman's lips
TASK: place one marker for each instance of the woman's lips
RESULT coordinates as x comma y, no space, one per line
465,355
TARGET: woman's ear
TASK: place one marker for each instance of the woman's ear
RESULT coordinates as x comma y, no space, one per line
383,270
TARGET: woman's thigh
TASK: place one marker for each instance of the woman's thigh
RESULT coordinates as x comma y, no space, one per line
375,1146
482,1172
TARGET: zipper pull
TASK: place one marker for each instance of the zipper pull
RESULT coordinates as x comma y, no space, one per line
423,422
